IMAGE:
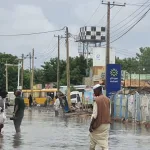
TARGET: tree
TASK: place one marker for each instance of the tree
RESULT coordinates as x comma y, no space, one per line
128,64
26,79
50,71
38,76
144,59
12,71
78,68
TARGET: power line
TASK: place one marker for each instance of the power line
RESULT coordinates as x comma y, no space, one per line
118,52
33,33
135,4
47,49
116,14
125,50
132,26
103,17
130,14
129,21
53,49
93,13
125,53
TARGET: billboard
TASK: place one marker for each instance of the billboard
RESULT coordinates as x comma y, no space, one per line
49,86
113,79
99,56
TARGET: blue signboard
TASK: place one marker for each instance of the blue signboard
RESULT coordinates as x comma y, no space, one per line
113,79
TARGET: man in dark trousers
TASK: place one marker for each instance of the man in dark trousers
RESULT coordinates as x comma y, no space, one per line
100,123
18,110
30,100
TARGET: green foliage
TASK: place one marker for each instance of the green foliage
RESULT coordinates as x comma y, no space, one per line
78,69
48,73
38,76
140,63
128,64
12,71
26,78
144,59
78,66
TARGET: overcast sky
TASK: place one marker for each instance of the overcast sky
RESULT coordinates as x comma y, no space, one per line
26,16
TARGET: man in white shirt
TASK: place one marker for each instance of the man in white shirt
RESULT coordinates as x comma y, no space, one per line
2,119
100,121
57,106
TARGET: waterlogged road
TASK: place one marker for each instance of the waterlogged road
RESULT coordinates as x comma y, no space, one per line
41,130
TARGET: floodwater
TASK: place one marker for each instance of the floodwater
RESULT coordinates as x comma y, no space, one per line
41,130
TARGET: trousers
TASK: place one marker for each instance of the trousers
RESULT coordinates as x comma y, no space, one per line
100,137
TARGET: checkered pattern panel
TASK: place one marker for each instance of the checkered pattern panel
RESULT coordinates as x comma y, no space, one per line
92,34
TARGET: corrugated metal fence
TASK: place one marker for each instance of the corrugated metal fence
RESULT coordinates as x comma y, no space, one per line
132,107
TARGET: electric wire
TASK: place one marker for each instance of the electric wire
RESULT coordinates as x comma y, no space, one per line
131,26
130,15
93,13
129,21
33,33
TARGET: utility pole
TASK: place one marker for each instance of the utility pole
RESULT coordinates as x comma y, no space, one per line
30,58
58,63
139,78
32,76
6,77
83,48
108,29
22,70
68,67
18,75
108,33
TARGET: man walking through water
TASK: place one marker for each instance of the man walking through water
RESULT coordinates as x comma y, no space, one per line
30,101
18,110
100,121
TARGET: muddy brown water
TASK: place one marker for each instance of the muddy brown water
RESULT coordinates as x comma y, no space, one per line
41,130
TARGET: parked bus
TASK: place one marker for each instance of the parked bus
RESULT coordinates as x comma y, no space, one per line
39,96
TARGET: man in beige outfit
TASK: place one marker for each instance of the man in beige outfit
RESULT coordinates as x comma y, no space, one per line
100,121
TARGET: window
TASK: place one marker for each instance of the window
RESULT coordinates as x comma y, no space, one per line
51,94
88,33
36,94
103,29
43,94
93,37
73,96
98,33
102,38
25,95
93,28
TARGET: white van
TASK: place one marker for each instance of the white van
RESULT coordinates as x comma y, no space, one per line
75,97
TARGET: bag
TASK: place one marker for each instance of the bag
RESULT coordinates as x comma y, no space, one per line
13,118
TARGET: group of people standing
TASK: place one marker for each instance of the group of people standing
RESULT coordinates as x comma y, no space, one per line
100,120
61,102
18,113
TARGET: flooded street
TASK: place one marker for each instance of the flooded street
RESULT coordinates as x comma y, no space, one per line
43,131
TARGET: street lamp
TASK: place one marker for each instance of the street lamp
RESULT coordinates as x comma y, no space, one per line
143,69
